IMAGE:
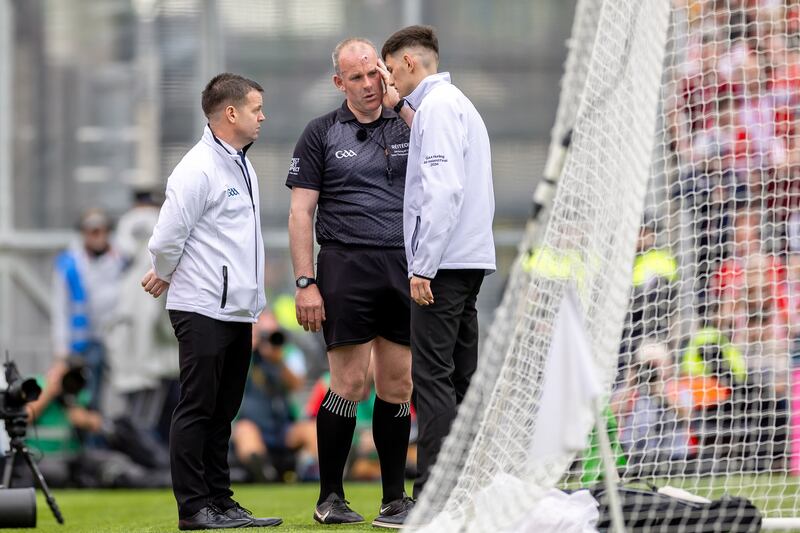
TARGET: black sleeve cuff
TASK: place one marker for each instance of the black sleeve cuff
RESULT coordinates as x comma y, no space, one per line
302,185
423,277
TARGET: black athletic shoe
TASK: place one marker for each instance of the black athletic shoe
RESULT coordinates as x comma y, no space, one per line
238,512
209,518
334,510
394,514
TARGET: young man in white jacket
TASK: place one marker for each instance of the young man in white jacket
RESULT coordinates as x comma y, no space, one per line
207,251
447,224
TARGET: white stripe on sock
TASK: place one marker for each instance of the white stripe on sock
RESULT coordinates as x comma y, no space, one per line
403,410
340,406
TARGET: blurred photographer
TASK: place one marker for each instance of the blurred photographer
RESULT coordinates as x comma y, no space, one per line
84,298
652,298
267,436
715,371
61,388
60,420
652,408
83,448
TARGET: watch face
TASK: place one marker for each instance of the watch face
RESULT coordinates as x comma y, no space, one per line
302,282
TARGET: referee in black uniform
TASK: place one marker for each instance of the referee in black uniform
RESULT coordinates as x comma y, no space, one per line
349,166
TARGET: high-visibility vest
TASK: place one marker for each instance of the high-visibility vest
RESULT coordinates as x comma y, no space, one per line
654,263
554,264
284,309
559,265
694,365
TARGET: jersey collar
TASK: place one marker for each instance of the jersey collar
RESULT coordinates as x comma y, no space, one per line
343,114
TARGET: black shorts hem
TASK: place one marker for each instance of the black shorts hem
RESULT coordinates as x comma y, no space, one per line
404,342
339,344
350,342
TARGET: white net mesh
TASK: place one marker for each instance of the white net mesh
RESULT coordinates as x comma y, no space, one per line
588,243
685,130
703,391
467,426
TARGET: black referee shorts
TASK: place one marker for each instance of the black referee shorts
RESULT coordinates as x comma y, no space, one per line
366,294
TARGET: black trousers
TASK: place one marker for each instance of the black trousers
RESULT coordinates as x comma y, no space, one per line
444,351
214,360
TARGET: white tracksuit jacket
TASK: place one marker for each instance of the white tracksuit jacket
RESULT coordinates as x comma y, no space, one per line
207,242
449,198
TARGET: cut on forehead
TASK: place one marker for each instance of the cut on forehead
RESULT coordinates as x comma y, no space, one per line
356,55
352,51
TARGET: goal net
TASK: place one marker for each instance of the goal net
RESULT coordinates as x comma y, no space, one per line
676,223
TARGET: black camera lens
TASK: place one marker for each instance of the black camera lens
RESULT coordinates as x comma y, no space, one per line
22,391
76,376
275,338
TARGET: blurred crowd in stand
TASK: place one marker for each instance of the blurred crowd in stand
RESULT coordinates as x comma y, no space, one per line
704,377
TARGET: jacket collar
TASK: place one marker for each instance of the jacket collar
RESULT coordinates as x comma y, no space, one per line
344,114
426,86
221,146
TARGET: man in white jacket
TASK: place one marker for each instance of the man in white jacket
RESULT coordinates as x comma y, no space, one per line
447,224
207,251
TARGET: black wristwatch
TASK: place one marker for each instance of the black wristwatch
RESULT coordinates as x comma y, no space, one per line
399,105
302,282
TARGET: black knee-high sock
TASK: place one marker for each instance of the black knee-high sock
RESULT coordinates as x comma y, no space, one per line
391,424
336,422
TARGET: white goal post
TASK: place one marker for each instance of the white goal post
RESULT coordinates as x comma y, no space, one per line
677,218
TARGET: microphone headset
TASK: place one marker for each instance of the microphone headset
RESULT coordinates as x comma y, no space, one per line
361,135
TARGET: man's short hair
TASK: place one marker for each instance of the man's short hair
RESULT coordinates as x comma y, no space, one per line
94,218
227,89
341,45
424,36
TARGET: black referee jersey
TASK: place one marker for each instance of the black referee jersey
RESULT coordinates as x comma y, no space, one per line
359,171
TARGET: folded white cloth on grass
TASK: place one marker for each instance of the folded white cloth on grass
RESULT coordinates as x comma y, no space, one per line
560,512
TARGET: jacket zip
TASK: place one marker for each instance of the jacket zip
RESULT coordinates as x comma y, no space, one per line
224,286
248,184
414,243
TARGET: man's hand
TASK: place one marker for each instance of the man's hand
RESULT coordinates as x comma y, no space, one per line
153,285
421,291
310,308
390,94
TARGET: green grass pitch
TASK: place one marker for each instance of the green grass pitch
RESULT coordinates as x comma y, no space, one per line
153,511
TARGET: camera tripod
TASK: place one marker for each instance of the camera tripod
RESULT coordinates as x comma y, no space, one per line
15,427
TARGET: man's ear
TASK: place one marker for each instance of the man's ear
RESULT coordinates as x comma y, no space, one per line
230,114
338,82
408,59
